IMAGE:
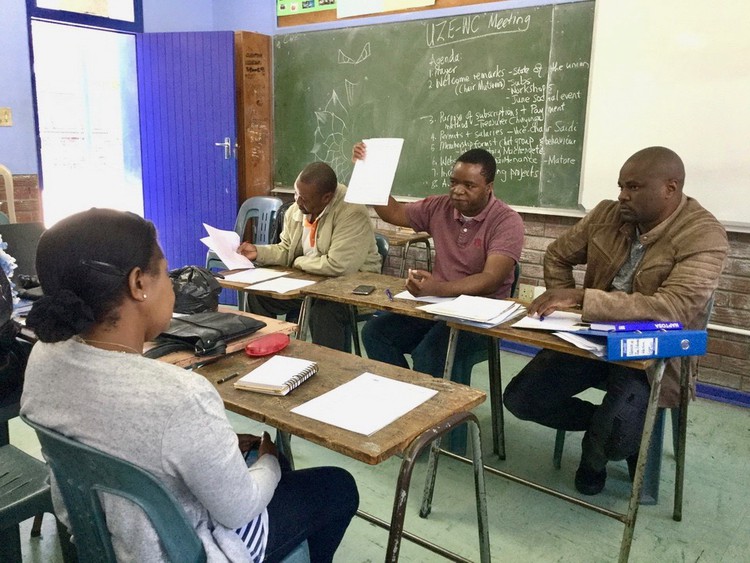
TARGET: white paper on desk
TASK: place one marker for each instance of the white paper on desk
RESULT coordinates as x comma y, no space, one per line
281,285
372,178
365,404
470,308
425,298
559,320
225,244
255,275
599,349
514,311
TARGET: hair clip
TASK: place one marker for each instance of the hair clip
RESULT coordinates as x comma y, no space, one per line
103,267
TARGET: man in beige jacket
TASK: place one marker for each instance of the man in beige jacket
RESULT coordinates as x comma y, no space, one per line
322,235
655,254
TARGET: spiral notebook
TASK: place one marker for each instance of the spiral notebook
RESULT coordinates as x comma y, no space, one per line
277,376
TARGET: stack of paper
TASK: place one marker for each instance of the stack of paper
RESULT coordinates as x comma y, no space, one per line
365,404
472,308
282,285
557,321
595,345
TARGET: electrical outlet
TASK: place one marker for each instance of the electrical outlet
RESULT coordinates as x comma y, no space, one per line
6,117
526,292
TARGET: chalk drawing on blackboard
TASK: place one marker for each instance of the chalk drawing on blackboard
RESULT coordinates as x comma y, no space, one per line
330,133
344,59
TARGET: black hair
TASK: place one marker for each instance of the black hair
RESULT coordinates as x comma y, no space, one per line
483,157
83,263
321,176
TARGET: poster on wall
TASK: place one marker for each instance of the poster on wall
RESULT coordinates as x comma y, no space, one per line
349,8
292,7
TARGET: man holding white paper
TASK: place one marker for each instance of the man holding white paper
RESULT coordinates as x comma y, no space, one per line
478,240
324,235
655,254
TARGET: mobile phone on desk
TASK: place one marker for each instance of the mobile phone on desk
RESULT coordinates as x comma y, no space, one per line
363,289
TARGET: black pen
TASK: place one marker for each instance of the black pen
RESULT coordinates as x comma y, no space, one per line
228,377
389,294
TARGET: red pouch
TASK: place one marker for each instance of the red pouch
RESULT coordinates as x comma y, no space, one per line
268,344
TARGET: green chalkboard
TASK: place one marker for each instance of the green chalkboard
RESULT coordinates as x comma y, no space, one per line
513,82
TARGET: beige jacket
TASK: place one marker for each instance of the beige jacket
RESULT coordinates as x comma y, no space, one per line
674,282
345,241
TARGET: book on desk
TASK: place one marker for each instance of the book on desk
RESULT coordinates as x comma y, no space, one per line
278,376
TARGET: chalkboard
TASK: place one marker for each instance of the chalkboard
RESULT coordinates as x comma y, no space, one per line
512,81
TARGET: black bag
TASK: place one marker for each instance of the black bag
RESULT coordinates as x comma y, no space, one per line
203,334
196,290
13,352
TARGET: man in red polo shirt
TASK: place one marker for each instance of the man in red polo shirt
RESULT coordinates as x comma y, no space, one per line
478,240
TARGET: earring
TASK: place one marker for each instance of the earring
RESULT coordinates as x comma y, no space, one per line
145,296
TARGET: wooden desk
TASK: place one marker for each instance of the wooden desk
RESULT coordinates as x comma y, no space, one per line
406,238
543,339
408,435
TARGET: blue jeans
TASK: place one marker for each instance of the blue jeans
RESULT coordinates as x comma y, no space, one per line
387,337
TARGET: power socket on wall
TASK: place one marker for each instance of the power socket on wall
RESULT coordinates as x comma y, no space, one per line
526,292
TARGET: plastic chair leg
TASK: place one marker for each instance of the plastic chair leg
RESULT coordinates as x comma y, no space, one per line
10,544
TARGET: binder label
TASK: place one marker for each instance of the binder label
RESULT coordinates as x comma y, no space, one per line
639,347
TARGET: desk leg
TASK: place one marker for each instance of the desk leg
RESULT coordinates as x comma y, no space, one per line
433,436
432,462
657,371
496,398
682,438
302,320
403,261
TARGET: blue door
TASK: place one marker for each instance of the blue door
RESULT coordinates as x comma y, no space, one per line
188,134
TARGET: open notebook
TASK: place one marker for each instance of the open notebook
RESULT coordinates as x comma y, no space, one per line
277,376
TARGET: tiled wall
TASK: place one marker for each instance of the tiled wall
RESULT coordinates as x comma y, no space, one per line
727,363
27,200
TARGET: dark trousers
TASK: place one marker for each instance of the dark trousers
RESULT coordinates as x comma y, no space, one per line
330,324
544,390
387,337
316,504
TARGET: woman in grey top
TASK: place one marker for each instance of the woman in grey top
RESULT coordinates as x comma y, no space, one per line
106,293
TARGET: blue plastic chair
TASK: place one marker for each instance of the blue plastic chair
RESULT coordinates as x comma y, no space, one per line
257,214
82,472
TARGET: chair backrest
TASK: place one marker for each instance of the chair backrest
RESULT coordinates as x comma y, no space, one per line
383,248
258,215
516,275
83,472
4,219
279,223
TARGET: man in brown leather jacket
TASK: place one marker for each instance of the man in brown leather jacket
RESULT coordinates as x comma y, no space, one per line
655,254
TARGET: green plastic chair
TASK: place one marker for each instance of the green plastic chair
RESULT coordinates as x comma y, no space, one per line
24,491
82,472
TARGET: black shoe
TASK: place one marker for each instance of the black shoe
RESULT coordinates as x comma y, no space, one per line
589,481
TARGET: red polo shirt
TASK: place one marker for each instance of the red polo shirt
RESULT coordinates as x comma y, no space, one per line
462,246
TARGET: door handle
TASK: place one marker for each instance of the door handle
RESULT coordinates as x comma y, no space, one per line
227,144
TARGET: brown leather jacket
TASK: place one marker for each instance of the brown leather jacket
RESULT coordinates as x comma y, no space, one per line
675,281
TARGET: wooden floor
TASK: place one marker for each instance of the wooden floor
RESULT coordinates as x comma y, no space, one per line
529,526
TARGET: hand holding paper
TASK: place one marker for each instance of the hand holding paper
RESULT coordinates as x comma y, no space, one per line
225,244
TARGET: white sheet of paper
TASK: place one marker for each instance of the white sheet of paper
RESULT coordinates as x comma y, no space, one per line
365,404
372,178
349,8
559,320
470,307
596,348
225,244
282,285
254,275
425,298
